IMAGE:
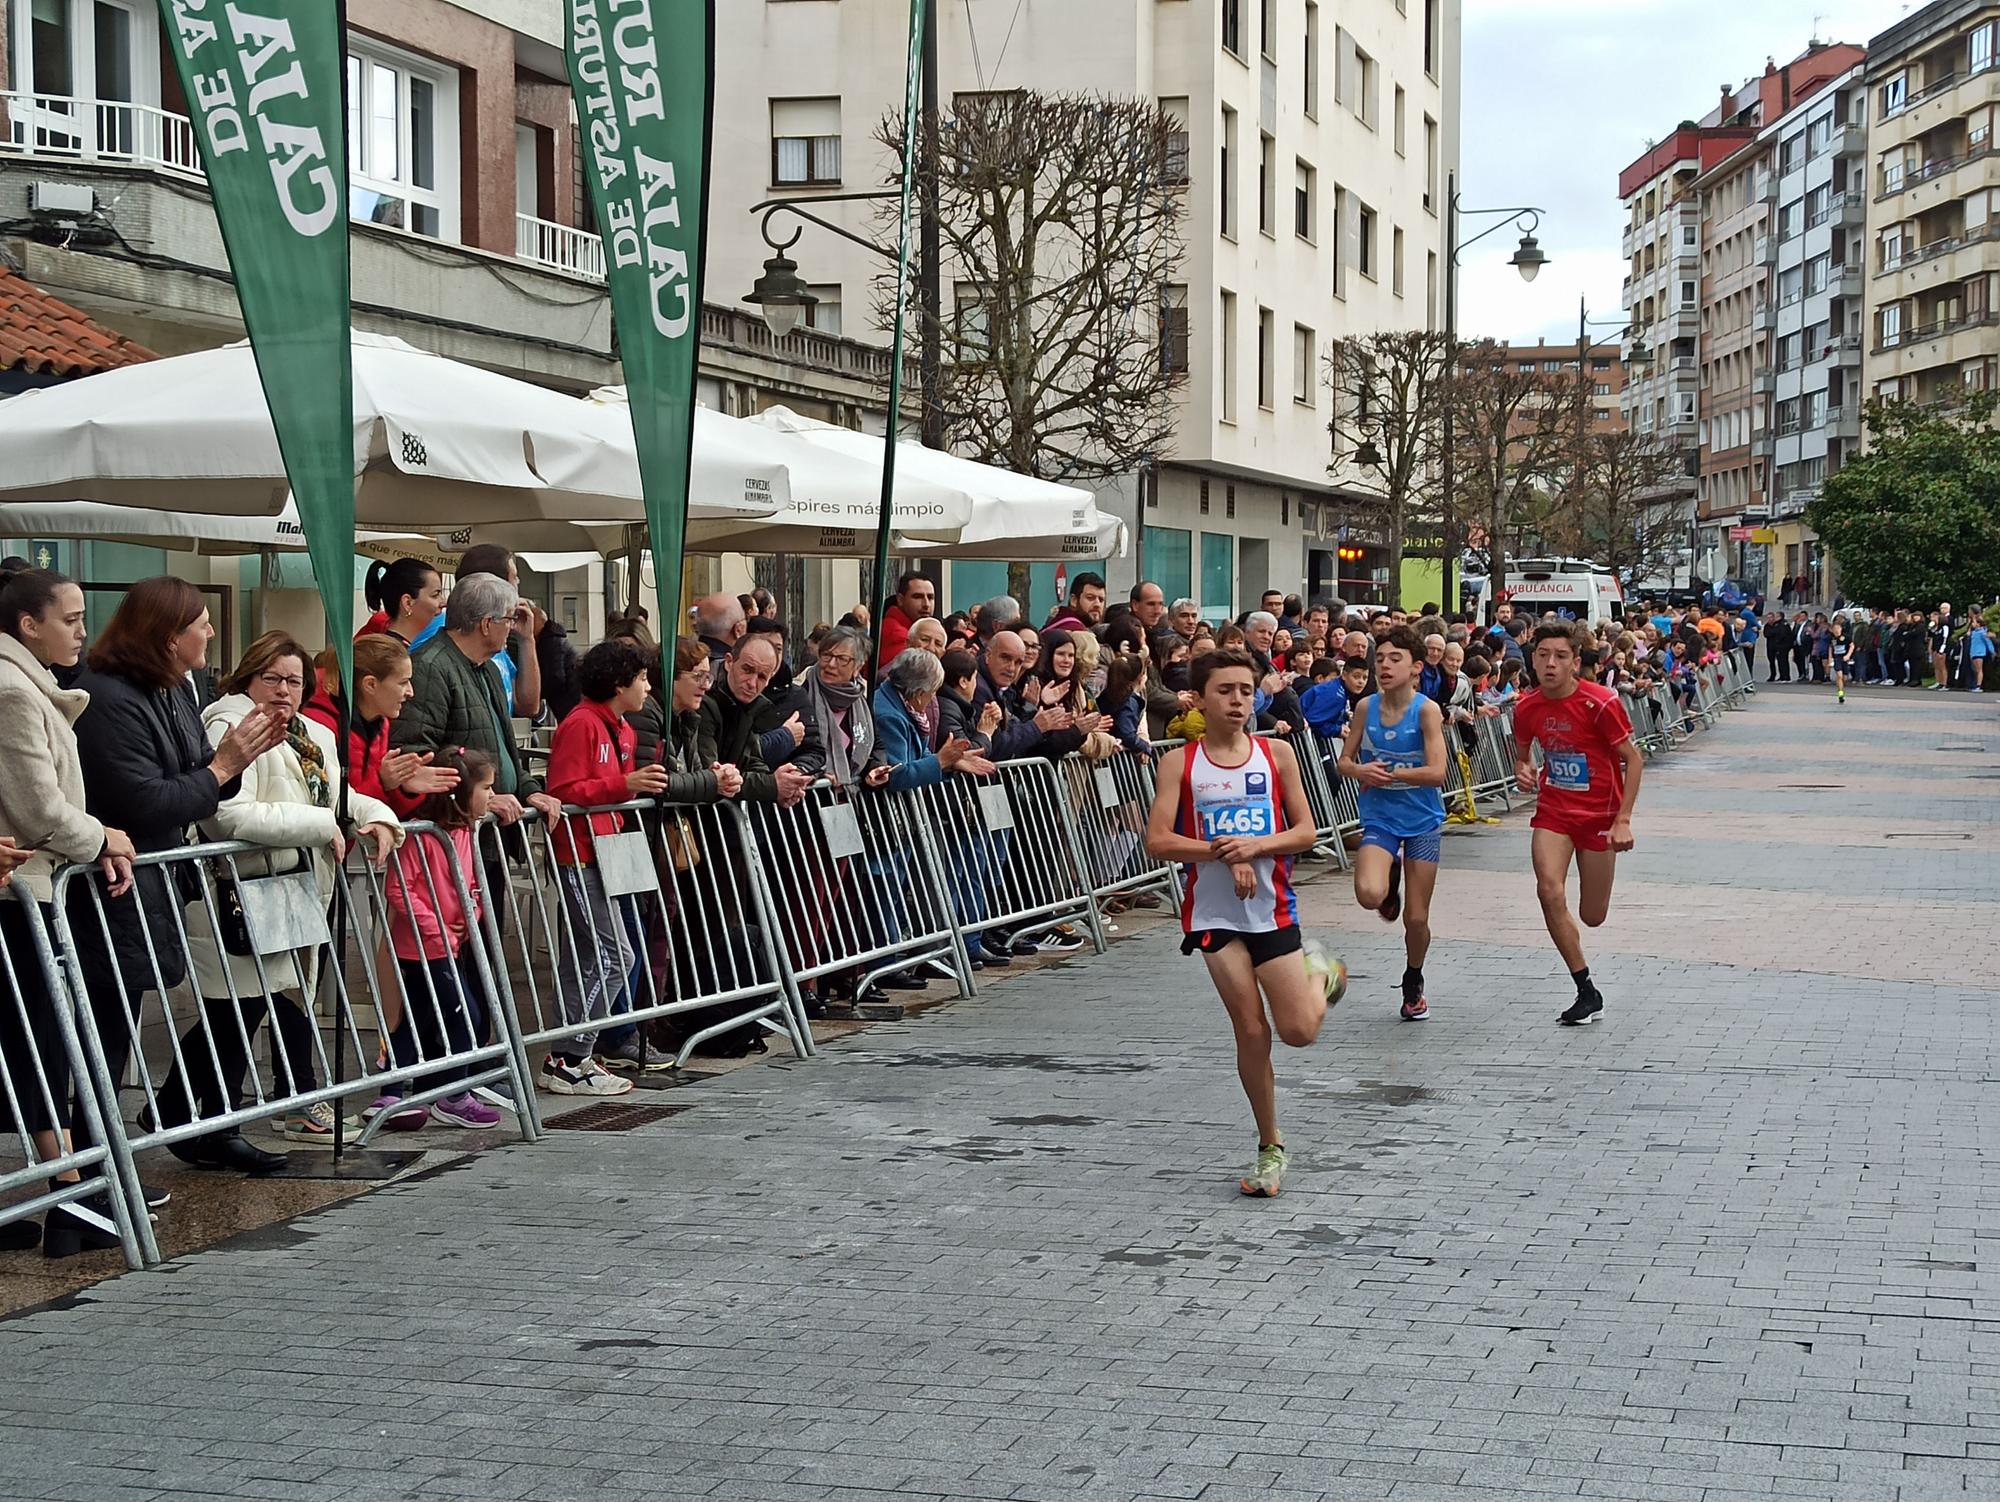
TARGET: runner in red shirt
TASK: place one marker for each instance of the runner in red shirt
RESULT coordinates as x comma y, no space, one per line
1588,784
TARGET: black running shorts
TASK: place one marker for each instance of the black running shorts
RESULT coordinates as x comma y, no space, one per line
1263,947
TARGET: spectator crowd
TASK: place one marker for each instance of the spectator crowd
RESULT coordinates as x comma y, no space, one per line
131,745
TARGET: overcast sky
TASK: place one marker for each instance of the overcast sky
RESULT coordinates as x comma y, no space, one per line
1561,95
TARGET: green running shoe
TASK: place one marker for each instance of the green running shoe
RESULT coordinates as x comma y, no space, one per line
1263,1180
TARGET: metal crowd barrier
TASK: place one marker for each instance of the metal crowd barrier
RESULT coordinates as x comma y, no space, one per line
41,1058
855,879
1009,854
671,915
1319,758
1107,803
230,934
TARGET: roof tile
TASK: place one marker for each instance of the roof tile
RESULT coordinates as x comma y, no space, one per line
44,335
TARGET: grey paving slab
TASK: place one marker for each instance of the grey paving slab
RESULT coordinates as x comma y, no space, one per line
1736,1241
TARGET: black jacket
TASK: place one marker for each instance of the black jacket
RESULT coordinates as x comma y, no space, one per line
731,729
145,760
958,719
1018,736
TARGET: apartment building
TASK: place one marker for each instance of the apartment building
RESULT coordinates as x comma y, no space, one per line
1603,372
468,236
1933,221
1817,156
1719,212
1318,143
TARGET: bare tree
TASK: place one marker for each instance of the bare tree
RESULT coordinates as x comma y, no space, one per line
1059,219
1621,504
1515,435
1388,391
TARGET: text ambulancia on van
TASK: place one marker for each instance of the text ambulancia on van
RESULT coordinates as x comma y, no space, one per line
1572,587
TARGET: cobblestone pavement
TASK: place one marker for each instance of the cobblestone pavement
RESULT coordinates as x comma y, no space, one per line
1734,1242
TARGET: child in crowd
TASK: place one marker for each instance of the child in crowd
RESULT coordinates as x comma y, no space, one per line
1123,702
593,763
444,1009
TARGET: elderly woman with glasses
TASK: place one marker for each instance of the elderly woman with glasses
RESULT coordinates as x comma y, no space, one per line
836,709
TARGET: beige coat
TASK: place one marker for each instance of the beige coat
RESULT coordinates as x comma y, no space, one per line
41,780
273,808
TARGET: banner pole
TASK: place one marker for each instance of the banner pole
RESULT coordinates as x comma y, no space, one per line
885,520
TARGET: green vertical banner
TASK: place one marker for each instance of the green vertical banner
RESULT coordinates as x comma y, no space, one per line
643,74
263,84
913,128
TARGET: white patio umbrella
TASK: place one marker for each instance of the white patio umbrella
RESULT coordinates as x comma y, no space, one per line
547,547
439,446
1014,517
833,501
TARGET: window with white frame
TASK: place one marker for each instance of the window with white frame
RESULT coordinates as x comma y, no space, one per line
1175,110
73,54
972,323
805,142
824,315
1980,54
1895,94
1819,134
402,140
1892,325
1303,362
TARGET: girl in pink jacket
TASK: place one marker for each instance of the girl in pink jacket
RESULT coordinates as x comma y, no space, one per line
444,1009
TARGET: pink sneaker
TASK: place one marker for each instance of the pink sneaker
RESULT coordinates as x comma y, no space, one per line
465,1110
399,1120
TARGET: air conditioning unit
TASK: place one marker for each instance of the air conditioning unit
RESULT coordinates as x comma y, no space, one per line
61,200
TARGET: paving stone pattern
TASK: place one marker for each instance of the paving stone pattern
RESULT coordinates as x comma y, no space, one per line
1736,1241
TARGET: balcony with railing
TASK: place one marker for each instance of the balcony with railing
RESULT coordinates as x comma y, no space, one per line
1843,422
559,247
106,131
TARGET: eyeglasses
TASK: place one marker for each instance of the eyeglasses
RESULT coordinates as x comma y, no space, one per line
836,659
275,680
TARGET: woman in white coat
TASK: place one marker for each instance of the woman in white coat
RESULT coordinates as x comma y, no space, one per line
289,802
43,825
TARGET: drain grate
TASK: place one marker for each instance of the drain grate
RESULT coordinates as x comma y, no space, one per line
1924,834
613,1118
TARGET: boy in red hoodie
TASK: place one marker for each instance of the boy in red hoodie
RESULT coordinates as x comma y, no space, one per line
592,763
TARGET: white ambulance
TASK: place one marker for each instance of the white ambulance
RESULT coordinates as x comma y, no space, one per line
1574,587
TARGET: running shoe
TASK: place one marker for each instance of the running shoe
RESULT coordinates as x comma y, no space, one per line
1267,1174
636,1054
1416,1009
560,1077
1392,905
1841,697
1059,941
399,1120
1583,1009
464,1111
314,1123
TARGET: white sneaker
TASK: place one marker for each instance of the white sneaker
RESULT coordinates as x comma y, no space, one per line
560,1077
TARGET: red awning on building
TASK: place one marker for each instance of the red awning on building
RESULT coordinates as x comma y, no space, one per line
42,335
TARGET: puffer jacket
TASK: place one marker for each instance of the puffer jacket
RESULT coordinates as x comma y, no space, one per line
273,808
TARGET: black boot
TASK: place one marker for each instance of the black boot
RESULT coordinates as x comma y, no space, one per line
84,1225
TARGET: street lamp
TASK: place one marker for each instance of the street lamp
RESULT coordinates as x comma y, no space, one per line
1528,259
780,291
1367,455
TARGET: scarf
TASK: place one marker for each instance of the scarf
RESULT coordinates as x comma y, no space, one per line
845,728
312,762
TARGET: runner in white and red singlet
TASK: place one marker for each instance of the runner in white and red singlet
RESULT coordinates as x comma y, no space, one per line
1587,786
1231,808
